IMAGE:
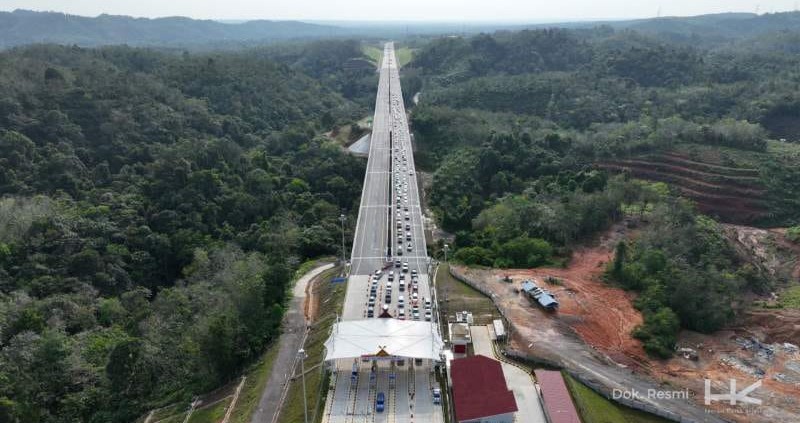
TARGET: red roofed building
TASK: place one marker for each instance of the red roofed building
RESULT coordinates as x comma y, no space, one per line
480,393
558,404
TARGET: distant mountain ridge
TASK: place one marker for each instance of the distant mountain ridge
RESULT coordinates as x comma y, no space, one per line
26,27
722,26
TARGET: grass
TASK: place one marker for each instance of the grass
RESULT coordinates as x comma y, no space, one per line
375,54
404,55
177,418
461,296
211,414
594,408
259,373
331,300
254,385
168,411
790,298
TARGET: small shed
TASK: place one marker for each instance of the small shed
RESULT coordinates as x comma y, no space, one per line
460,337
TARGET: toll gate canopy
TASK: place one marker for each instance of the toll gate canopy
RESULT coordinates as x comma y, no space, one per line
384,338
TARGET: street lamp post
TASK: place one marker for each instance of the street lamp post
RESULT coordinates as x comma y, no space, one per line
446,247
343,218
301,355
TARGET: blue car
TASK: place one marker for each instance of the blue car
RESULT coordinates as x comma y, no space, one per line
380,402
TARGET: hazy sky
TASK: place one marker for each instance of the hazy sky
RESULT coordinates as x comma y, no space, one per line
456,10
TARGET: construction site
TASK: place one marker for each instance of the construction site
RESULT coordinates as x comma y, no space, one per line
590,335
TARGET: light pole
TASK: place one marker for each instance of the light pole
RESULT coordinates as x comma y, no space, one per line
301,355
343,218
446,247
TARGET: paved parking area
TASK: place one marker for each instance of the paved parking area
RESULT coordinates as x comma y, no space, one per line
518,380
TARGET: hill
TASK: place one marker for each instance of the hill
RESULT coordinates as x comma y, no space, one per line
153,208
25,27
708,30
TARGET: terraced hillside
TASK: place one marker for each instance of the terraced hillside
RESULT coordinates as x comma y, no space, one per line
733,185
730,193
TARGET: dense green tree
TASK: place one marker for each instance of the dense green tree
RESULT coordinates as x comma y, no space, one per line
153,209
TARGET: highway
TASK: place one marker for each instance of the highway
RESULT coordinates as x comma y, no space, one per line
390,236
390,151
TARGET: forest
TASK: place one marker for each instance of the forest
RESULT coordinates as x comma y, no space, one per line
154,208
519,128
155,203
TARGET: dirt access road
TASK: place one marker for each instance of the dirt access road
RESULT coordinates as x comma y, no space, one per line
291,340
591,333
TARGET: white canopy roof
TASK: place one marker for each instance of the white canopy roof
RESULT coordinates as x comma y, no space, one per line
384,338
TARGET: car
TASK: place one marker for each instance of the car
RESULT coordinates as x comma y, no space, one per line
387,299
401,314
402,286
371,300
378,273
414,273
415,315
397,263
428,316
380,402
400,252
370,311
437,396
409,247
427,302
389,286
401,301
408,236
408,216
415,296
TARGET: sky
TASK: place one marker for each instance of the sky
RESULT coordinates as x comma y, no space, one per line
382,10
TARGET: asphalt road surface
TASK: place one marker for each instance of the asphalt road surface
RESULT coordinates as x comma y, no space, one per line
293,332
519,381
390,193
389,229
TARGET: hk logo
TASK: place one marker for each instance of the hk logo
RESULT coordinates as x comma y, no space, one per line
733,397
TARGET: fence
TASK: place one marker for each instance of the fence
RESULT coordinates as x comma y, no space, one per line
583,378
